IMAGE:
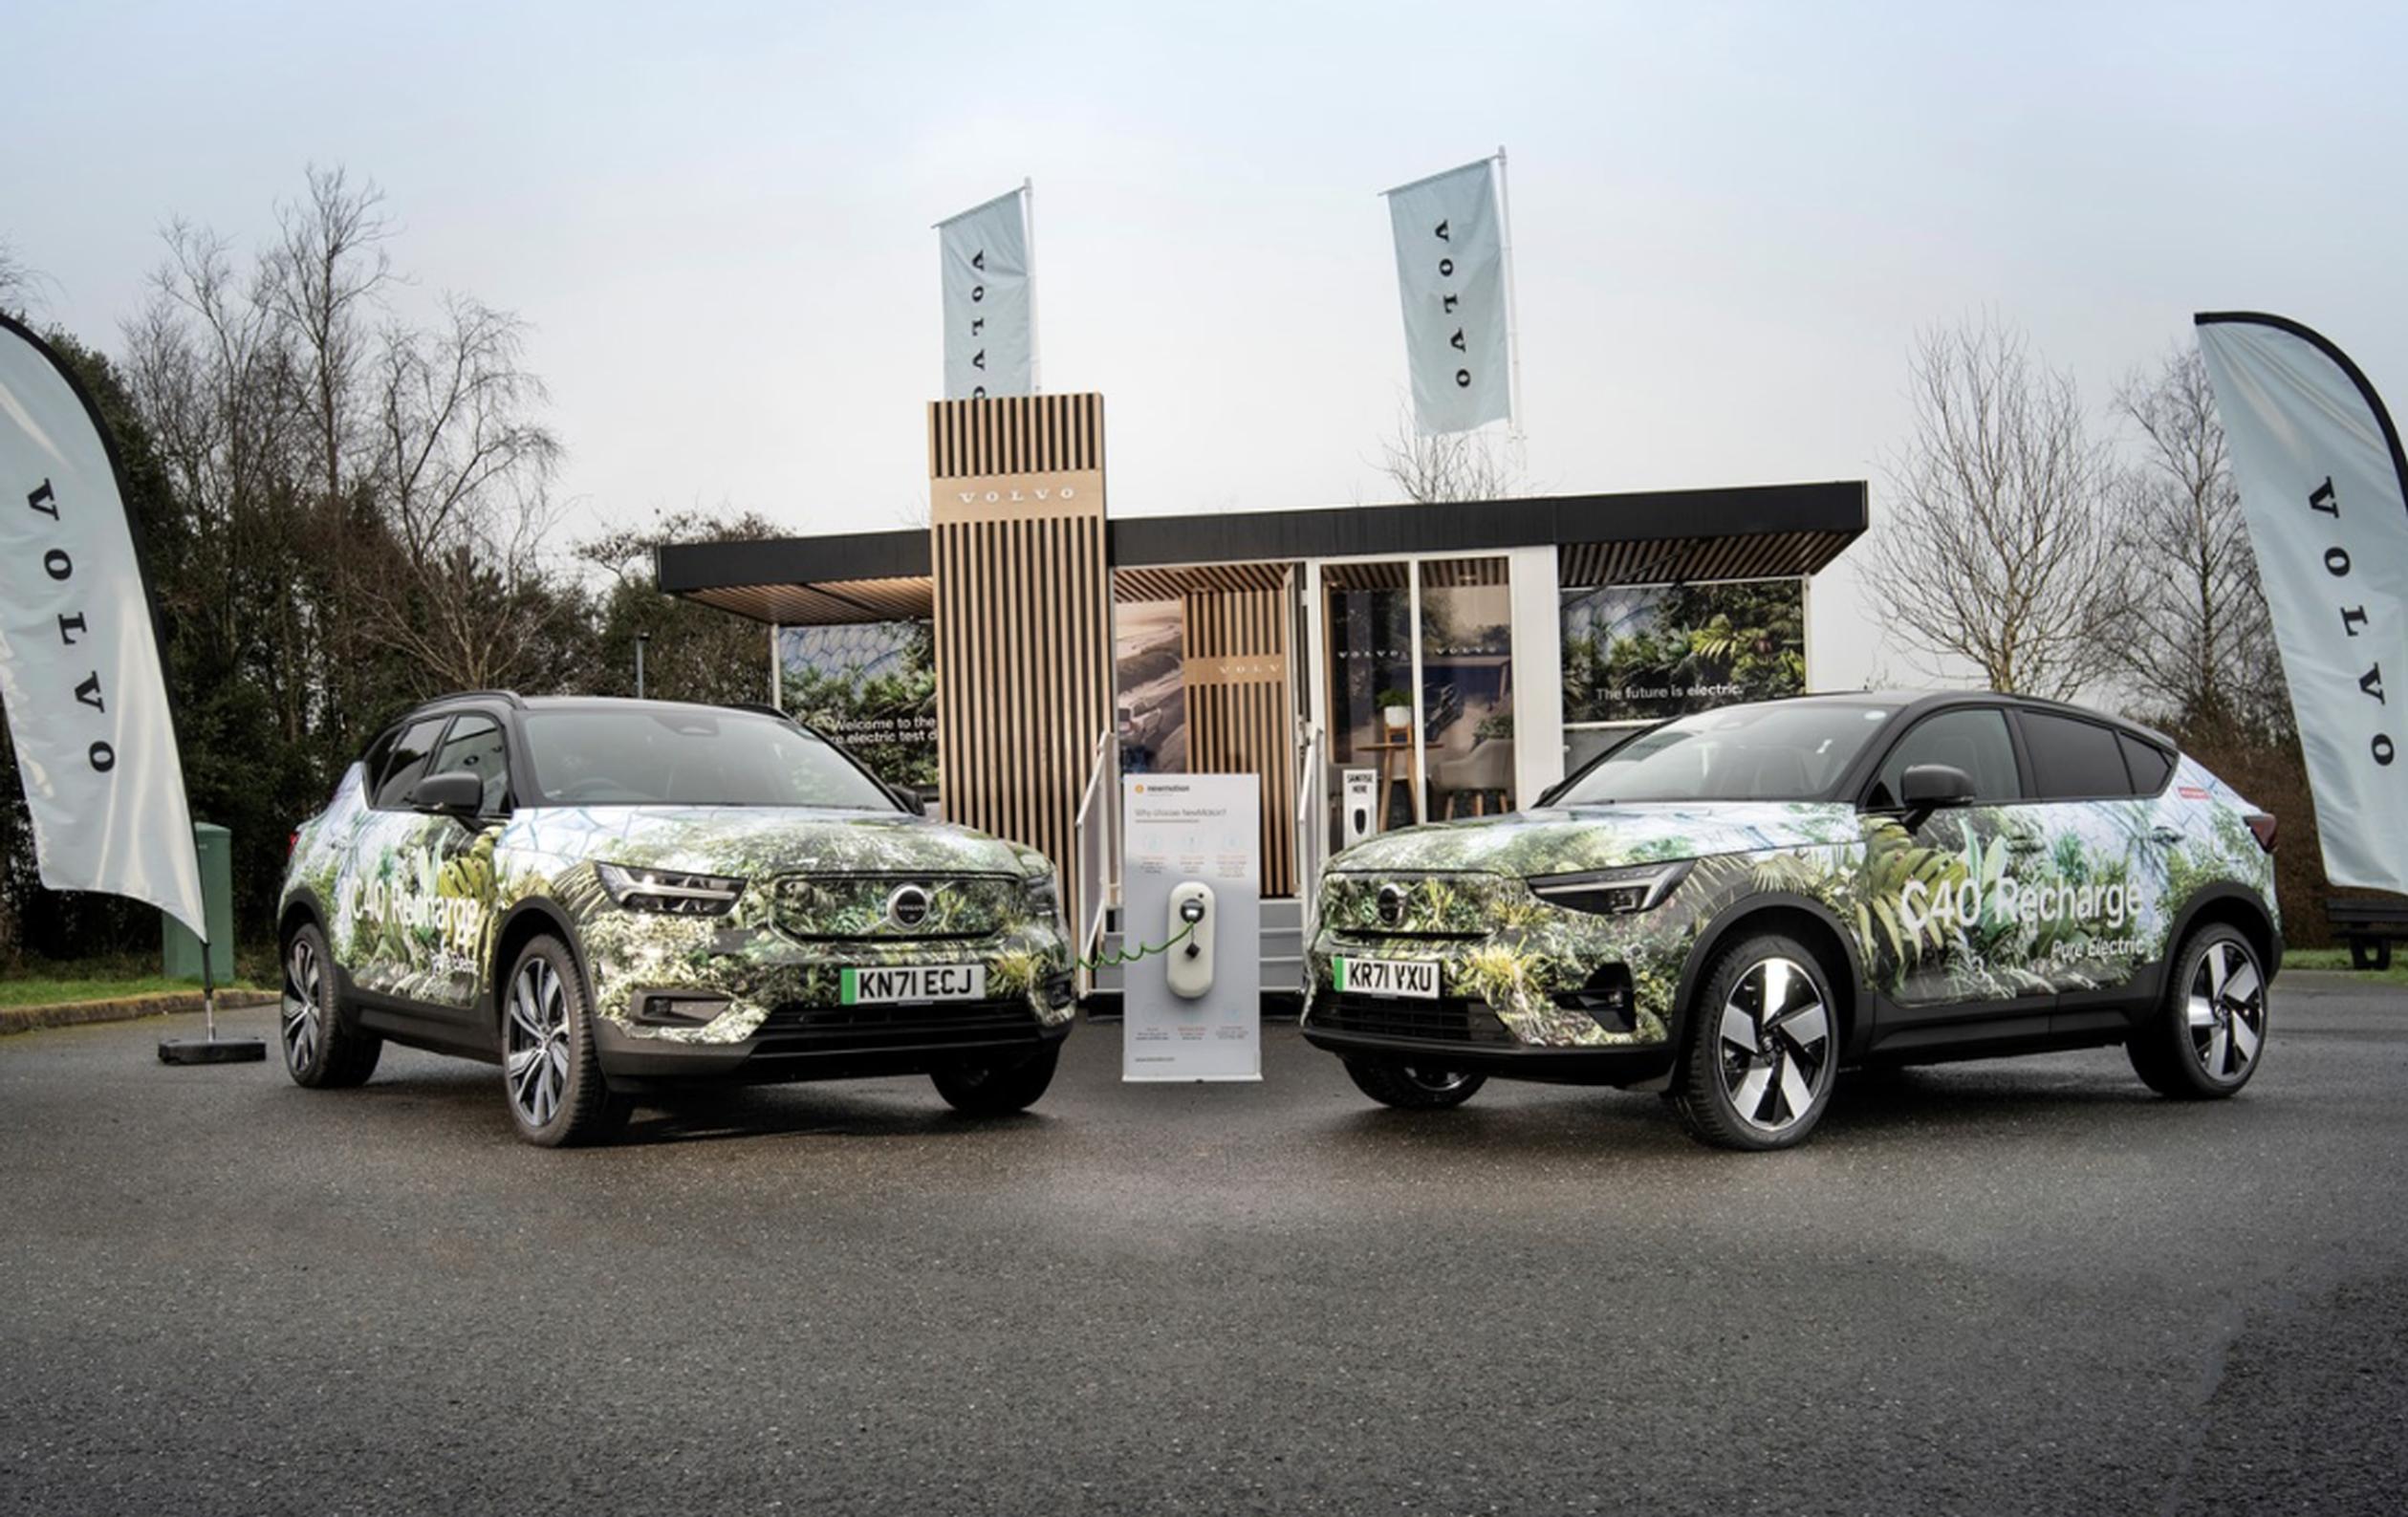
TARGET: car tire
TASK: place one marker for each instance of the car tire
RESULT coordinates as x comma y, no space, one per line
998,1086
323,1050
1763,1047
1410,1085
550,1080
2208,1034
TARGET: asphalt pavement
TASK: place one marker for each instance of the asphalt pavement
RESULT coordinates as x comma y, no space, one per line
2024,1286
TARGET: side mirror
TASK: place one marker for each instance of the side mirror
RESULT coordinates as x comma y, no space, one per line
458,794
1927,787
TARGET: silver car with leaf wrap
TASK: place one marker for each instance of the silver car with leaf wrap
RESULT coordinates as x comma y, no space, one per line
610,899
1730,907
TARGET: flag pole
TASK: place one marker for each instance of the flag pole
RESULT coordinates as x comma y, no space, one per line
1513,319
210,1047
1028,234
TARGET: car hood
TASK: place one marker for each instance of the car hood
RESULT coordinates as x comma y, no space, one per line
760,840
1565,840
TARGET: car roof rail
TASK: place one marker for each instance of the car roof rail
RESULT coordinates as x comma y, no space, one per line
511,695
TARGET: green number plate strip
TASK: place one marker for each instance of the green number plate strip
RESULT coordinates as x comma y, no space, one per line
849,992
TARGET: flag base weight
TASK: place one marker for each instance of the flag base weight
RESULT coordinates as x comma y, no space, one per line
211,1051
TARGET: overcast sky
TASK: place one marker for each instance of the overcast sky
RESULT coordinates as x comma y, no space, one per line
1728,221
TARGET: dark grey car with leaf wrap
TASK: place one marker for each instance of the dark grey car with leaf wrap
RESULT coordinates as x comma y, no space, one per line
608,898
1733,905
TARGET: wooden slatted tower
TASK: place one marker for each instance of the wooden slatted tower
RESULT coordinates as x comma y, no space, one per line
1023,612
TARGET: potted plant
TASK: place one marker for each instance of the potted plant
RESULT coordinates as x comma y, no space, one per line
1397,706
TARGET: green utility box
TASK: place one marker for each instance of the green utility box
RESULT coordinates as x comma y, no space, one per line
181,959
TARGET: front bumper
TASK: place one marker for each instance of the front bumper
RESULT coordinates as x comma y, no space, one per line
1465,1034
799,1041
731,982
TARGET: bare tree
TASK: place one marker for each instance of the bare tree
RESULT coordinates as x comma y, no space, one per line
13,276
1449,467
481,611
2199,642
1997,549
321,279
461,468
211,370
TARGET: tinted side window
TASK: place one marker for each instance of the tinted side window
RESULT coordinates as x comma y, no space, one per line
408,762
2148,762
2074,759
1973,739
372,762
475,748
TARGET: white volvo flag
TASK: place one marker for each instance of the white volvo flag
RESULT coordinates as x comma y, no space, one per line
79,659
990,341
1450,270
2325,491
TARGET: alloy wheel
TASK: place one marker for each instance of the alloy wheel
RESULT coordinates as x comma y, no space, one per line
535,1056
304,977
1775,1045
2227,1012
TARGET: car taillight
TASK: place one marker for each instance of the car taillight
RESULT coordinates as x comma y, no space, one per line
2261,828
291,841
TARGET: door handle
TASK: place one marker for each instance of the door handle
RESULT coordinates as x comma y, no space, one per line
2023,845
2166,836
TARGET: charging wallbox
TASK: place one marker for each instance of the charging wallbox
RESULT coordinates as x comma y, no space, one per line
1189,971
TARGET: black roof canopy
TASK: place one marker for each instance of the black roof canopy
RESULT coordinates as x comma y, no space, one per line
1341,532
1638,537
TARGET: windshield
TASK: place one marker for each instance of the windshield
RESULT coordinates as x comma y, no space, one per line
1783,751
689,756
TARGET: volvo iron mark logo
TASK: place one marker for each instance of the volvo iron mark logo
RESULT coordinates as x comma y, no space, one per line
908,906
1391,906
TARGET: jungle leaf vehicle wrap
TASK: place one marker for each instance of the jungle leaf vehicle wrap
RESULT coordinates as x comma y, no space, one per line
635,894
2043,881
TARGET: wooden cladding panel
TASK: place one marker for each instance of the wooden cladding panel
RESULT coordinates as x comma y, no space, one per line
1015,434
833,604
1687,560
1023,613
1241,708
1136,585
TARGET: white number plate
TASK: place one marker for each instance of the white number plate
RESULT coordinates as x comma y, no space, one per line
915,981
1392,977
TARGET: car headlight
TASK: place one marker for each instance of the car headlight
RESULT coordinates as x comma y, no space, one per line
668,891
1613,892
1044,895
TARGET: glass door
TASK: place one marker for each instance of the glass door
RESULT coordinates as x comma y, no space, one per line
1416,669
1467,682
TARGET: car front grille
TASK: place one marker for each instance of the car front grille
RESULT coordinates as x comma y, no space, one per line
836,908
1422,1021
795,1028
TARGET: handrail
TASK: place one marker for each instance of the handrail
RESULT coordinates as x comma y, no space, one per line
1311,826
1094,845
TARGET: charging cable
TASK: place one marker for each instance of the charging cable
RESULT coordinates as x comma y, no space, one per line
1116,956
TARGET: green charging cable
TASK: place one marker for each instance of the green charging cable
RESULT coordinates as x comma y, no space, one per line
1112,957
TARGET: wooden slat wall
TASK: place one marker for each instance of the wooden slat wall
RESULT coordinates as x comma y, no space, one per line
1023,626
1683,560
844,601
1133,585
1015,434
1240,708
